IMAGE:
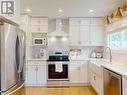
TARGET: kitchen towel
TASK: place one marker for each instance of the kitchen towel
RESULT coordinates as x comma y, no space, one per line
59,67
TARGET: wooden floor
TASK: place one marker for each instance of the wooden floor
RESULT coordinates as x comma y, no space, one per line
56,91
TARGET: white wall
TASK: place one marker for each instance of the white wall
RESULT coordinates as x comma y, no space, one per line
119,58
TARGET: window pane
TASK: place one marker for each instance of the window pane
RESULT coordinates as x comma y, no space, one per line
115,40
124,39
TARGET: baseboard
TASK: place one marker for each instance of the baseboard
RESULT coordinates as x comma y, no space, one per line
54,84
79,84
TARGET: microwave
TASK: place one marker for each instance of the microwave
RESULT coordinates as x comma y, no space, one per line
39,41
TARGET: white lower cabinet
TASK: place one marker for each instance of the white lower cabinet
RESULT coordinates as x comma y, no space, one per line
124,80
36,73
96,78
41,75
78,72
30,75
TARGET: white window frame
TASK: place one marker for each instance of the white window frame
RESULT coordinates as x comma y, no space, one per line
116,50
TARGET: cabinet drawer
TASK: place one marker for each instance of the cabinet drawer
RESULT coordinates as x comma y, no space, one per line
43,29
31,63
39,21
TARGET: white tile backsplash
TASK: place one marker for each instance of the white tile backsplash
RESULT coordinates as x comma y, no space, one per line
85,52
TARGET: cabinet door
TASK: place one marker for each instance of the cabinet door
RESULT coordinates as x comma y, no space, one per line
31,75
39,21
79,21
99,85
97,35
41,75
43,29
84,21
74,21
84,35
97,21
75,75
83,73
74,35
124,80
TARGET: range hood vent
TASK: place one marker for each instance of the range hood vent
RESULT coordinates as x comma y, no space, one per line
58,32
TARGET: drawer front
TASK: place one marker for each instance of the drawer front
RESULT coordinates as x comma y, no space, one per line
31,63
39,21
43,29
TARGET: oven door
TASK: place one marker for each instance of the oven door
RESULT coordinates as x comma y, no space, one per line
53,75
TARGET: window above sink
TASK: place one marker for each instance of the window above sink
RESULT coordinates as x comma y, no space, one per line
117,40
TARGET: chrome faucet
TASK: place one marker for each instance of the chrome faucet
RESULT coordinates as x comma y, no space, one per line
110,54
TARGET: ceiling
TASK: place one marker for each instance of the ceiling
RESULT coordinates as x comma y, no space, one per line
71,8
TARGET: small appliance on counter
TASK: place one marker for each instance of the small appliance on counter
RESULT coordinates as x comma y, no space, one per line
99,55
39,53
42,53
93,54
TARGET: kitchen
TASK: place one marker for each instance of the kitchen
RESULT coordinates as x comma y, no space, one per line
66,49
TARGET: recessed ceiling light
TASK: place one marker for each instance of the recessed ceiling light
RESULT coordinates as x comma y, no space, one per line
60,10
28,10
91,11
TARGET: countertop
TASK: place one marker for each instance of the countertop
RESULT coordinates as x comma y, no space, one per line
85,59
120,69
35,59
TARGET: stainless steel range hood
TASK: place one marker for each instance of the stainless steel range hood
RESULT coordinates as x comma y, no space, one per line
58,32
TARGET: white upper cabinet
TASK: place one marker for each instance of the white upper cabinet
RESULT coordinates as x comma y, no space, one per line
74,35
39,25
97,21
79,21
39,21
86,31
97,35
84,35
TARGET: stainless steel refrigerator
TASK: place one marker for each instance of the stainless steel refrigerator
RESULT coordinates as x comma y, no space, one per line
12,55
